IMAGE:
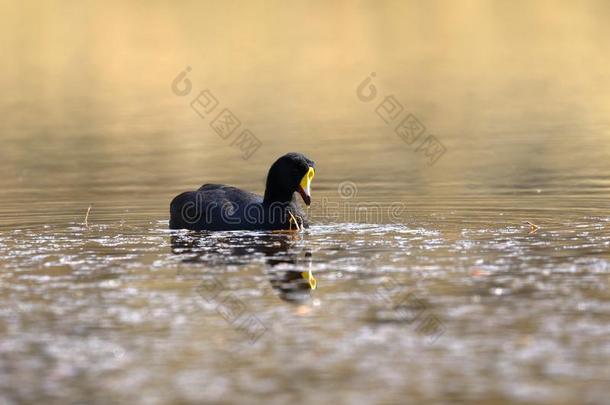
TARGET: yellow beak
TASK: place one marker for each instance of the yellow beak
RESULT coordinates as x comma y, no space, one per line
305,185
308,275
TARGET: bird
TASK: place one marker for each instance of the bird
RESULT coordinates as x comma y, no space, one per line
219,207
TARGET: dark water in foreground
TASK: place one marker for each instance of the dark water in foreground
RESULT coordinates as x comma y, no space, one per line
430,285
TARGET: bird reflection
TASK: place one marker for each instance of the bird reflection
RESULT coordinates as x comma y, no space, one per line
287,266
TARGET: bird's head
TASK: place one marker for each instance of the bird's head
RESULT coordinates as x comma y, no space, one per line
291,173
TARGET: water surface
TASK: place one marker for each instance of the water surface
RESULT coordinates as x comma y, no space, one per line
430,283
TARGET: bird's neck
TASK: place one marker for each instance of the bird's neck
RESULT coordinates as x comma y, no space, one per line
276,196
274,193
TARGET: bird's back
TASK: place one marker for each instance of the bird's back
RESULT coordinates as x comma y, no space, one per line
215,207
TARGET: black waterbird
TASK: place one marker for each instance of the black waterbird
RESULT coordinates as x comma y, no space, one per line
218,207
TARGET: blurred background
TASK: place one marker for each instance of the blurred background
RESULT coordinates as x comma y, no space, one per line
516,92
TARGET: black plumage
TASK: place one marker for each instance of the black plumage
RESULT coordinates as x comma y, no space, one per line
218,207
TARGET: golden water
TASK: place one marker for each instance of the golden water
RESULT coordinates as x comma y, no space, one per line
121,309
